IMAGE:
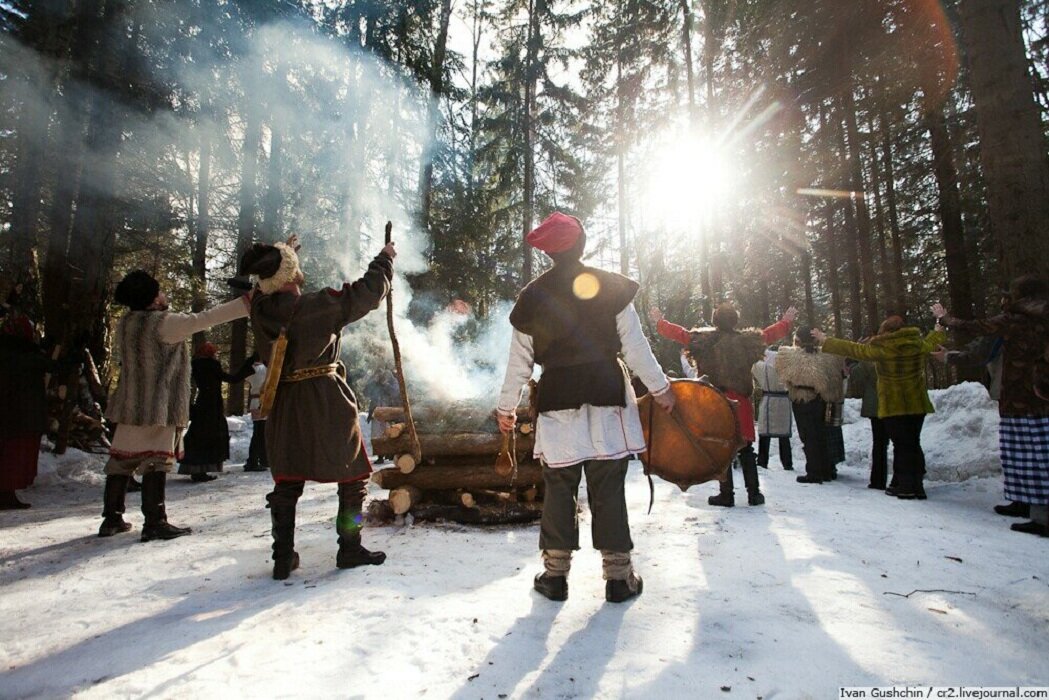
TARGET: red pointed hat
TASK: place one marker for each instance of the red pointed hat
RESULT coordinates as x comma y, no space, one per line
556,234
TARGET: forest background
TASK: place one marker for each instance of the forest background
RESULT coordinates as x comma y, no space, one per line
854,158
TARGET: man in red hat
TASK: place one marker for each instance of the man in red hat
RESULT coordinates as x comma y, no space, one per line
575,321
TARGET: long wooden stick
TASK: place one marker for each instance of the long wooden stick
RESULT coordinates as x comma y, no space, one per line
413,437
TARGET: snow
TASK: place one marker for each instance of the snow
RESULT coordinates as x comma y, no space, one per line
789,600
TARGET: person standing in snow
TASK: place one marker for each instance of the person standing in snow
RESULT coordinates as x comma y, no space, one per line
23,411
774,412
574,321
151,402
1024,416
726,356
207,440
812,379
257,461
863,385
312,432
899,354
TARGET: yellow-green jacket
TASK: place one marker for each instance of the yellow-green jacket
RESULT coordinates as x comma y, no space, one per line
899,359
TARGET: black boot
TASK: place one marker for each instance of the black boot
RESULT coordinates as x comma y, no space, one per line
750,476
282,502
9,501
347,524
552,587
1014,509
285,558
113,506
724,497
353,554
156,526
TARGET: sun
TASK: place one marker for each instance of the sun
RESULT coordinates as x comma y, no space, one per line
688,179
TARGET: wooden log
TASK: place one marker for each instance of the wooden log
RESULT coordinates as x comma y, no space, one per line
433,478
402,499
450,444
394,430
467,499
525,428
389,414
405,463
530,494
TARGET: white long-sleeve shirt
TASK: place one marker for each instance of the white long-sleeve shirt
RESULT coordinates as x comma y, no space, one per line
165,441
575,435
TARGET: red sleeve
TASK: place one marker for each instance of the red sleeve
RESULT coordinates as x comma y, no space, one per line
674,332
777,330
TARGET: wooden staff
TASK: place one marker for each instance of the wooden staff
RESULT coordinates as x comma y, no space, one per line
413,437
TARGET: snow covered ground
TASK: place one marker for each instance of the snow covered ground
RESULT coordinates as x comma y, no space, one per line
789,600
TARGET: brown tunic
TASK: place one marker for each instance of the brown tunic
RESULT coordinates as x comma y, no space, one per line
312,431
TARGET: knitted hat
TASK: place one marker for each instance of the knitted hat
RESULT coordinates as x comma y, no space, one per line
206,349
137,290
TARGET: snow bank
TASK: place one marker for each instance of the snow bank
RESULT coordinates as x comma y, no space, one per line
74,465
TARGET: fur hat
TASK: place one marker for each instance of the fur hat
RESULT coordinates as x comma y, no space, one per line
275,265
137,290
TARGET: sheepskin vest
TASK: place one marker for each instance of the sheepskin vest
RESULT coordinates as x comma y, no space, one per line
154,376
810,374
574,335
726,357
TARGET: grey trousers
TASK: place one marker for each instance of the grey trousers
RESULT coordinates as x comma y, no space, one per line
559,527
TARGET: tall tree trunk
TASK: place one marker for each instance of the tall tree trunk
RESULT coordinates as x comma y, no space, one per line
271,230
830,245
900,285
528,129
884,269
806,271
621,185
852,248
1012,142
950,208
436,79
202,229
686,39
863,221
245,234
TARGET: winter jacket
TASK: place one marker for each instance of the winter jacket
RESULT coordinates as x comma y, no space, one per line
899,359
1025,328
810,374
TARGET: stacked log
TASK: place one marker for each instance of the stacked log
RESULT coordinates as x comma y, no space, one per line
456,478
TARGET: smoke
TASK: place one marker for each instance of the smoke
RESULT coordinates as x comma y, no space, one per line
340,137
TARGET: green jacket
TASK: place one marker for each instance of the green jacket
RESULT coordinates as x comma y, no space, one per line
899,359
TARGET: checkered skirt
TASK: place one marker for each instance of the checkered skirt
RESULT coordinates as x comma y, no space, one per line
1024,442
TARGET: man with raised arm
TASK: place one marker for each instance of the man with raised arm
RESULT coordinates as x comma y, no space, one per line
151,403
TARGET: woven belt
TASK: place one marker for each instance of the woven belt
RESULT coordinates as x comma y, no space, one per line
301,375
776,393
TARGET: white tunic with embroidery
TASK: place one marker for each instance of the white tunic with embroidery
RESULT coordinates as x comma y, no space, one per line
571,436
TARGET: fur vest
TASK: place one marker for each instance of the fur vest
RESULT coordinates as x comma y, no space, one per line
153,388
726,357
810,374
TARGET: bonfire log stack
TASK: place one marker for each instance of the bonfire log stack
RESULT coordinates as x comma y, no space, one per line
456,479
